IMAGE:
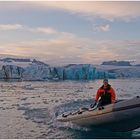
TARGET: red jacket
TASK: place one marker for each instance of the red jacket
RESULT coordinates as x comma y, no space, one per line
110,90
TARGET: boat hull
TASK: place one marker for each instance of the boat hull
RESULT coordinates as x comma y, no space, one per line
122,116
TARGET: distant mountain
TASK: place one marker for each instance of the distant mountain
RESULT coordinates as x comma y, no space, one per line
39,62
15,59
138,65
117,63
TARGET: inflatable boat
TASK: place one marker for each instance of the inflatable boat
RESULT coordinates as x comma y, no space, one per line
124,115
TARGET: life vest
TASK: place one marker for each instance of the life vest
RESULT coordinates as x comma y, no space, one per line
107,95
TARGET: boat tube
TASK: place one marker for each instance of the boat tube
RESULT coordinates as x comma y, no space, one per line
121,116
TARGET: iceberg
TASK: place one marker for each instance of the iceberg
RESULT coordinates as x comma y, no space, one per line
80,72
37,72
11,72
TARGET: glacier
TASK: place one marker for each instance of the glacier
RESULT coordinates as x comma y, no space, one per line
69,72
33,70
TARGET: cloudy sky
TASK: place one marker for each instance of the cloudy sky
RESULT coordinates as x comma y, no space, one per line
70,32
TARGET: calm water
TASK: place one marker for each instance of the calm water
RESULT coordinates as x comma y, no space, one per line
29,109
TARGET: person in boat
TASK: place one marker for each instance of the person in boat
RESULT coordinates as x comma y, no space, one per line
105,94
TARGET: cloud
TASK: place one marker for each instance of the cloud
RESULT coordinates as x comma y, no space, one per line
46,30
63,48
110,10
102,28
66,48
10,26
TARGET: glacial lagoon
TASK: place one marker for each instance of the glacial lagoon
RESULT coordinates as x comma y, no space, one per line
29,109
